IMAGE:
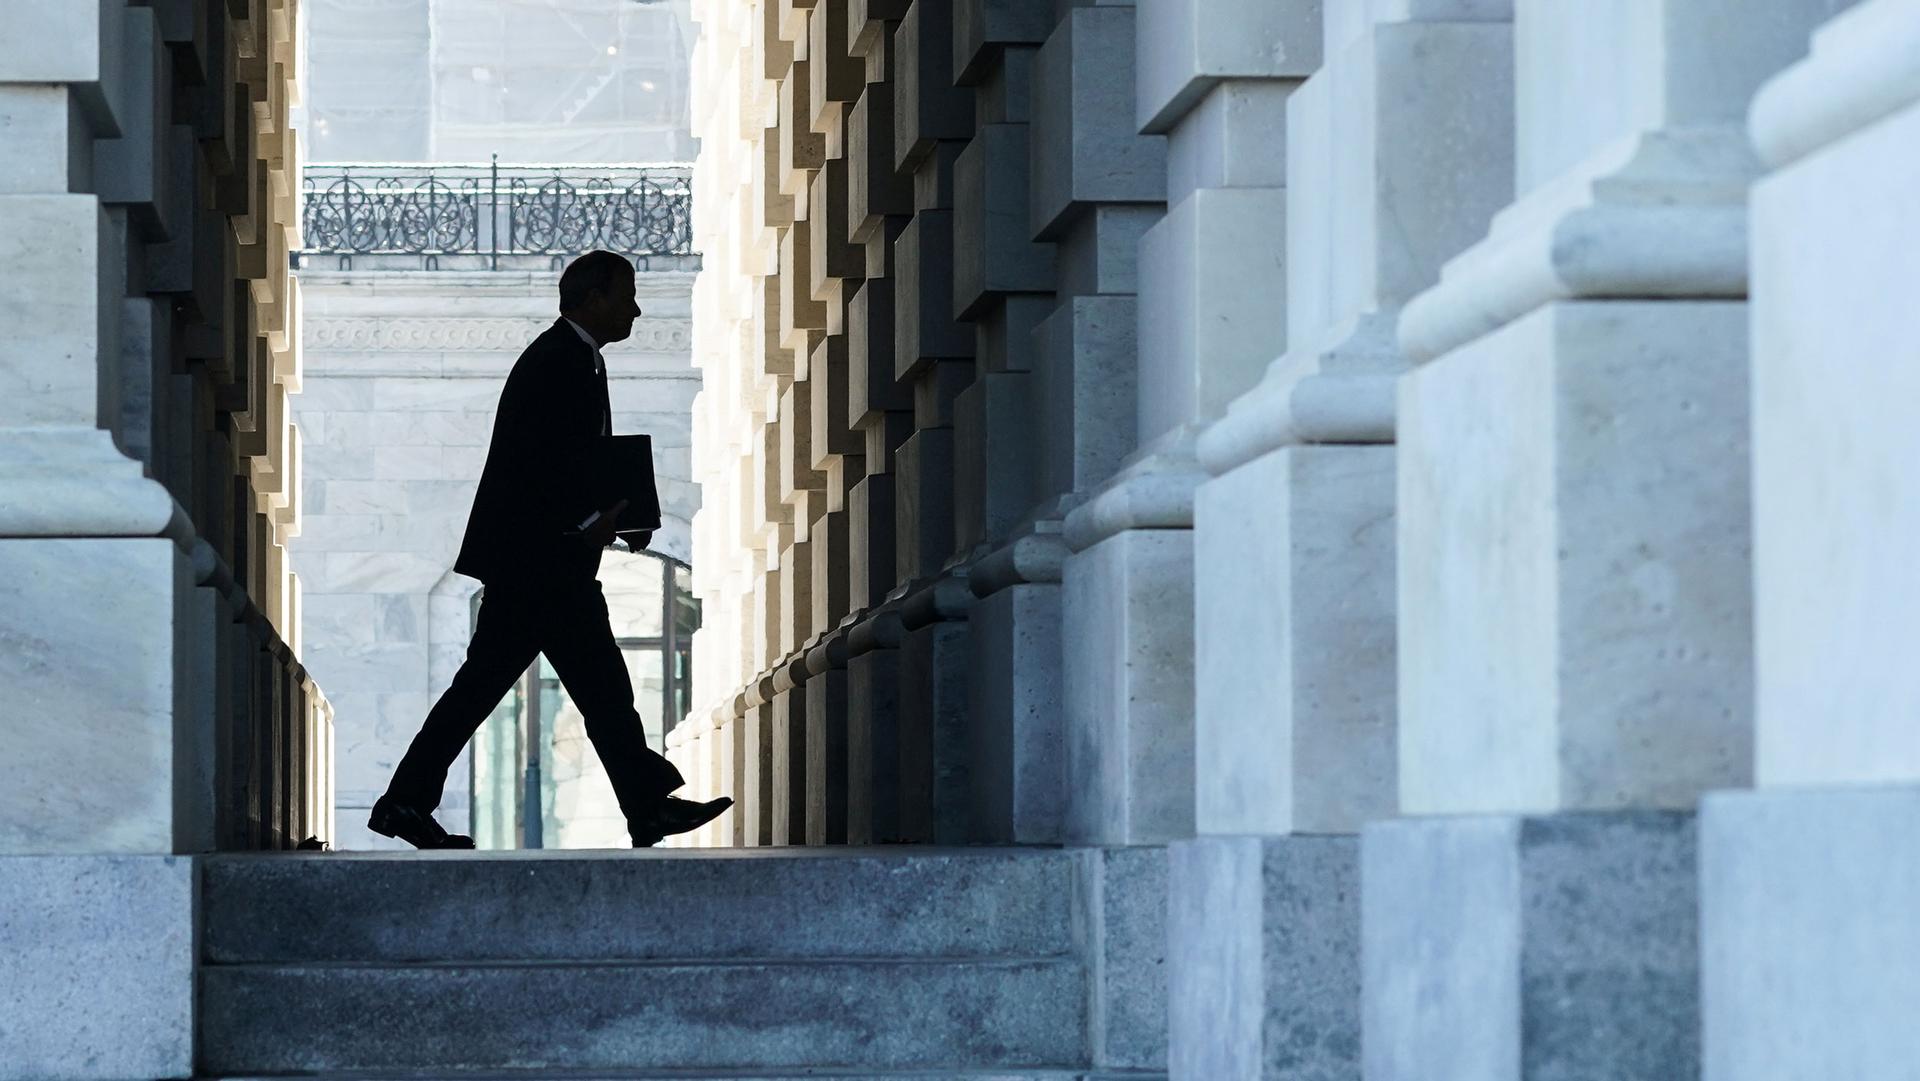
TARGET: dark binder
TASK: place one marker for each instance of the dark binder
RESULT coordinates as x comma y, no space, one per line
622,468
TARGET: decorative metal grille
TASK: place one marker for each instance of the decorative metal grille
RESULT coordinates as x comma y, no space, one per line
497,210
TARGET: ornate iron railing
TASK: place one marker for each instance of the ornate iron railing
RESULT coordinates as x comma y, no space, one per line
492,210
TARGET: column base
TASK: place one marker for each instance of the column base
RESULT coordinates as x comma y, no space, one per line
933,734
1016,771
1294,702
1809,935
1264,958
97,966
1531,948
1127,630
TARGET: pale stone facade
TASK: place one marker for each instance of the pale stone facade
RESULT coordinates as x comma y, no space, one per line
1315,436
403,371
153,703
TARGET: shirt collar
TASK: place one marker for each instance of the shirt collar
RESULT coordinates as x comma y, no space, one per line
599,362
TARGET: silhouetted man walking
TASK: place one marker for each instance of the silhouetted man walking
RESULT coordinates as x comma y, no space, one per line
526,543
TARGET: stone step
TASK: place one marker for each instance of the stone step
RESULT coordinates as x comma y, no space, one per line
651,905
957,1014
719,1075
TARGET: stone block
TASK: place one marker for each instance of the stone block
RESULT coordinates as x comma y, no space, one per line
1530,948
875,189
925,330
1016,740
1575,591
132,170
802,149
873,745
1004,335
1127,620
1584,84
1807,934
96,690
97,958
789,709
1000,447
837,76
57,41
871,388
923,506
1098,253
44,131
1363,237
1263,958
1836,599
829,394
934,786
828,703
1295,704
1087,390
871,544
1085,142
1227,140
829,592
1212,314
755,810
994,250
927,106
834,255
982,29
1123,934
1188,47
56,249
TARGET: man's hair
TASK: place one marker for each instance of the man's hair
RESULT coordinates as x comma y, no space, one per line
595,271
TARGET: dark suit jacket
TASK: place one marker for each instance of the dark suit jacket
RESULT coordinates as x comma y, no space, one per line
535,487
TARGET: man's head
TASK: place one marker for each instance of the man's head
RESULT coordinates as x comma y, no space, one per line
596,291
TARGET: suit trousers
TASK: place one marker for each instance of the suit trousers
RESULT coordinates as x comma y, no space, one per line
567,621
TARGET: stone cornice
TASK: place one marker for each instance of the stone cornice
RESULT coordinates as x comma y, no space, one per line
1660,214
490,335
1861,70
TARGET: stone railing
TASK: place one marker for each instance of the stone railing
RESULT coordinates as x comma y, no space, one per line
486,215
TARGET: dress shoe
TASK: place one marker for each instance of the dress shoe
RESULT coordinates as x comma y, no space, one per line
412,825
673,816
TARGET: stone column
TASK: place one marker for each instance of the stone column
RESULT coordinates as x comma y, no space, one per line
1809,885
1004,521
153,707
1574,590
1396,153
1097,187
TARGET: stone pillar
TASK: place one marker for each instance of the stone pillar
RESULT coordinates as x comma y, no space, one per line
1809,885
151,339
1395,155
1097,187
1574,593
1005,519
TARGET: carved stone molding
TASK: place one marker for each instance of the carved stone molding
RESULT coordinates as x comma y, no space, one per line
490,335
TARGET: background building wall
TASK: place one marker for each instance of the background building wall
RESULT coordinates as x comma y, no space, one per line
530,80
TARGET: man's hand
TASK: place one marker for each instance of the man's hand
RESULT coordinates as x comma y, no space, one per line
601,533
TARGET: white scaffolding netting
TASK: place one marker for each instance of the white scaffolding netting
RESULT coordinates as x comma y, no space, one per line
530,80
